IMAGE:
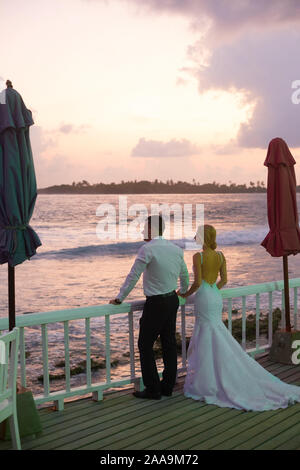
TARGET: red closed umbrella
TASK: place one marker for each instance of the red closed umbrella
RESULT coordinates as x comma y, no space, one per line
283,238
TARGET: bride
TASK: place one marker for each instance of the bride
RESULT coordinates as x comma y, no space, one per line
219,371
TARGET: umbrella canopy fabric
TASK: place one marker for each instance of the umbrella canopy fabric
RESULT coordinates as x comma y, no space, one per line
18,192
284,235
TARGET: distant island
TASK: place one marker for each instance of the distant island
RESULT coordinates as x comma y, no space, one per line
154,187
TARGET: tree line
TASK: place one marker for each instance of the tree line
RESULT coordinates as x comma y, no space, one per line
154,187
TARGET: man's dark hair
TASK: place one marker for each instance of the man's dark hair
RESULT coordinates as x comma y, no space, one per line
156,221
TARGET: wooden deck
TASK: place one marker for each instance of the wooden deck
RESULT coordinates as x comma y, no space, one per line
122,421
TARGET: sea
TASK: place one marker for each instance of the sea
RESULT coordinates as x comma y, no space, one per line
89,243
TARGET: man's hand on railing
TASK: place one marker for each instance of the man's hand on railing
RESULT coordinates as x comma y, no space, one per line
181,294
115,301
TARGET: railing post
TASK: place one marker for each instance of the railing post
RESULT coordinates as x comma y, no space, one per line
295,308
141,384
244,322
229,315
282,310
270,319
67,355
22,358
45,360
107,347
257,321
131,345
97,395
59,404
88,352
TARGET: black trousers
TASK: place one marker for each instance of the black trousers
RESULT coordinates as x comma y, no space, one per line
159,319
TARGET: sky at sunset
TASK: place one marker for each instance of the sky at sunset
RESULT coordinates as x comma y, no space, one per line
146,89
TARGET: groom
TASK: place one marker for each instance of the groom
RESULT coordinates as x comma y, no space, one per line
162,263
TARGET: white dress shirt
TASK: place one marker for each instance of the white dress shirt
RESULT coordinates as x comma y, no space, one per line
161,263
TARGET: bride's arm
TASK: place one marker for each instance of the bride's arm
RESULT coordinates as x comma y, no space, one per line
197,278
223,274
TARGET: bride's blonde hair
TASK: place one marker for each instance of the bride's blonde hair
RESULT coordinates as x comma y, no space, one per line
210,236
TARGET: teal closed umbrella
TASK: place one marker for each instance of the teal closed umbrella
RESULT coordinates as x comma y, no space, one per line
18,192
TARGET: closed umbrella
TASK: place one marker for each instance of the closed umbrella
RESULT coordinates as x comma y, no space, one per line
18,192
283,238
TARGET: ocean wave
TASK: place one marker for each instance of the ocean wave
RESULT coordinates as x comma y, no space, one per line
251,236
224,238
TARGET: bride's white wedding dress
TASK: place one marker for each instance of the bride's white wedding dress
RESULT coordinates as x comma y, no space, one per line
220,372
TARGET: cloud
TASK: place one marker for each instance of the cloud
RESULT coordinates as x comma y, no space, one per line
51,166
249,46
264,67
156,148
65,128
227,16
40,139
231,148
70,128
181,81
48,167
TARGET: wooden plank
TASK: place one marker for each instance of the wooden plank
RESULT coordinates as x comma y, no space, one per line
136,427
127,405
262,356
288,374
50,413
133,428
63,419
86,404
292,443
210,438
290,437
243,421
236,435
81,418
288,367
257,436
6,445
279,368
82,423
293,380
288,424
82,415
264,360
150,437
180,437
110,399
109,425
134,437
121,421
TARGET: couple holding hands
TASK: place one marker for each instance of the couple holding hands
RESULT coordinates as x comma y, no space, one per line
219,371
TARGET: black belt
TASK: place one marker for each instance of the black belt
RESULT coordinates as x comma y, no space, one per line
161,295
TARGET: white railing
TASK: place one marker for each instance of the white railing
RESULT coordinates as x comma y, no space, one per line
107,311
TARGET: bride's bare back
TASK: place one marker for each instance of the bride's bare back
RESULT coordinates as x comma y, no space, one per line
213,263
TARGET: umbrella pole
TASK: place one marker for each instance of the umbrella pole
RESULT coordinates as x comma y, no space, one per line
11,297
286,293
